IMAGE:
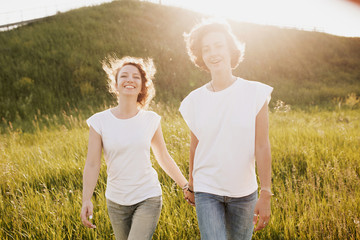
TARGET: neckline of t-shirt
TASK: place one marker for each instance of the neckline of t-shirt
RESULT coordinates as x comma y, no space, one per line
125,119
224,90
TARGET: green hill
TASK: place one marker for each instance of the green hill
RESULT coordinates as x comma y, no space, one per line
54,64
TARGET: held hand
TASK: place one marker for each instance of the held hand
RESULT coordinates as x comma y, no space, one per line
189,194
87,212
262,212
189,197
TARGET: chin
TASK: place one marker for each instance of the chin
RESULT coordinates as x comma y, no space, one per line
217,68
130,93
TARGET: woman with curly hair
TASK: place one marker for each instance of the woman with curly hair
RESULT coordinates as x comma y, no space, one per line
126,133
228,119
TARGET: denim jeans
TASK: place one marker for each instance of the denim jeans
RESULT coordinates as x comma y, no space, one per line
135,222
225,218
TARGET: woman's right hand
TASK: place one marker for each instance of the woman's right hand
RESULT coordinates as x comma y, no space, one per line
189,194
87,212
189,197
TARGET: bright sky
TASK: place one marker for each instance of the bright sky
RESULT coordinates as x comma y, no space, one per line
20,10
339,17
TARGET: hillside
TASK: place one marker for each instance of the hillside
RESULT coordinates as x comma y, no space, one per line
54,64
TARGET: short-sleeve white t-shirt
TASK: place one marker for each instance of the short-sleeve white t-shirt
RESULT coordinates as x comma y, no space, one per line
224,124
126,143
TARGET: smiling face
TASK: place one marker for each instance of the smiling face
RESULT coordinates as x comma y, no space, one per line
215,51
129,80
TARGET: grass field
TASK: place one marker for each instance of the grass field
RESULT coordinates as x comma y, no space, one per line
316,173
51,68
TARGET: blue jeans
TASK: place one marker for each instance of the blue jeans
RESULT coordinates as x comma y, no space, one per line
136,221
225,218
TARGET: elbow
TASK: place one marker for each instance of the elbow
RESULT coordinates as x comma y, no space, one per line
93,162
262,149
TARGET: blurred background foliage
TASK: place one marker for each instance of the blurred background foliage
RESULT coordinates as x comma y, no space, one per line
54,65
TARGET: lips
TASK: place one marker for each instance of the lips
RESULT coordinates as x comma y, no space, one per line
129,87
214,61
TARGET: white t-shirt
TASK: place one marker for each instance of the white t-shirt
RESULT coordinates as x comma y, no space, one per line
126,143
224,124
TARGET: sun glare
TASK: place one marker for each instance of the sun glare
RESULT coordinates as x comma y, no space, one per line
339,17
335,17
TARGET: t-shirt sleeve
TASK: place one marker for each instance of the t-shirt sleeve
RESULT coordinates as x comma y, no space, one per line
94,122
263,93
187,111
155,123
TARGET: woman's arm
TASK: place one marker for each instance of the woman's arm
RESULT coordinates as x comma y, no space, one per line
168,164
164,159
90,177
193,144
263,164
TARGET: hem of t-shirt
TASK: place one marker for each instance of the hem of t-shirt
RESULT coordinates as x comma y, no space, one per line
133,202
226,193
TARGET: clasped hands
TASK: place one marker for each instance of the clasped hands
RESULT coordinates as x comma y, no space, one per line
189,194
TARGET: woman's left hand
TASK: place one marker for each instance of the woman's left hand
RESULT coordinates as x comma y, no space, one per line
262,211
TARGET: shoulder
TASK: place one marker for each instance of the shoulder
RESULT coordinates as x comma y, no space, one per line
150,114
150,119
195,93
97,120
101,114
248,84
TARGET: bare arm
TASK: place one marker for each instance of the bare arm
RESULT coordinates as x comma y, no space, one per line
263,164
164,159
193,144
91,174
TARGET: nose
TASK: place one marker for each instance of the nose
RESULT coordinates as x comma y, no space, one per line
130,79
213,52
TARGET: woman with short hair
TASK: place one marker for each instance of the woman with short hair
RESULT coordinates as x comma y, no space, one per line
228,120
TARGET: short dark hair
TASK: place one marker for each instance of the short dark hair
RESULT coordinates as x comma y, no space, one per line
194,37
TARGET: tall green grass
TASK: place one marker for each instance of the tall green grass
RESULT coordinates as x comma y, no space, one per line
316,173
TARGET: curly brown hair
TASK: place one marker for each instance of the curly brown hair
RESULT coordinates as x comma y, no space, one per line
112,67
194,38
